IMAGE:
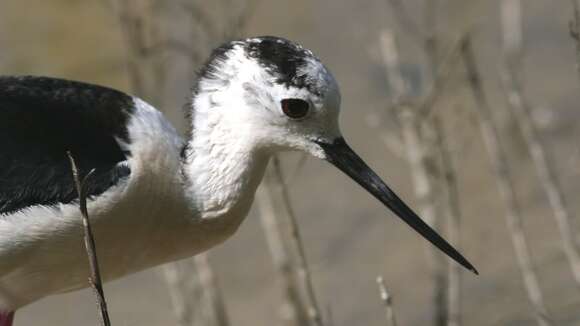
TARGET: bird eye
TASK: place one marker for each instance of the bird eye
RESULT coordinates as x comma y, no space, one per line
295,108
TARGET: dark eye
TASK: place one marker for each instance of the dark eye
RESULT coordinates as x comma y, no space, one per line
295,108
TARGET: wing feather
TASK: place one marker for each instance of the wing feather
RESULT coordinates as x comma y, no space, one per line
41,119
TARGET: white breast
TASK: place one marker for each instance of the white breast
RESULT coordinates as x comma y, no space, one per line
167,209
41,248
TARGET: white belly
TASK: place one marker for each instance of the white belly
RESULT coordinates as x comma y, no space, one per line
42,249
139,223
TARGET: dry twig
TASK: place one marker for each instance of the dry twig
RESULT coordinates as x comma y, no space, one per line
387,301
214,308
141,27
511,73
499,163
405,21
95,274
410,129
419,157
433,138
145,27
453,227
575,30
294,310
296,241
175,284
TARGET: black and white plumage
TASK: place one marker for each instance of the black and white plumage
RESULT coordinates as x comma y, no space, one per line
135,154
156,197
42,118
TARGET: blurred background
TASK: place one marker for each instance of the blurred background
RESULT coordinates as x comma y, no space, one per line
409,109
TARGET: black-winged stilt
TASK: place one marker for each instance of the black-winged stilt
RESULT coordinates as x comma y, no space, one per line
156,197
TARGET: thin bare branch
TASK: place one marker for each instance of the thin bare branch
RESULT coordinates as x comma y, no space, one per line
131,25
215,307
453,211
212,27
294,232
431,39
575,31
442,76
424,104
415,143
417,163
387,301
174,281
433,137
202,18
390,55
398,87
503,177
142,28
299,166
329,316
192,285
243,17
391,140
95,273
187,294
404,20
440,79
511,73
294,310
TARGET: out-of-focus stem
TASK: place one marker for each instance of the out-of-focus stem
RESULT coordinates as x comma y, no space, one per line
511,73
216,310
453,303
387,301
415,143
294,309
95,273
575,31
296,241
503,178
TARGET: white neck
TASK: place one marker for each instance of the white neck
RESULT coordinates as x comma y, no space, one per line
222,168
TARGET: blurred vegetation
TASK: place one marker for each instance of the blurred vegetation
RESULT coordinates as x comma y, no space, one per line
348,239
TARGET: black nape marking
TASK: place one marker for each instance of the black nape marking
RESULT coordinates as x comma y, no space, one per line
280,56
283,58
40,119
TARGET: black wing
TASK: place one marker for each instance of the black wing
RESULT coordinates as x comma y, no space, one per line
43,118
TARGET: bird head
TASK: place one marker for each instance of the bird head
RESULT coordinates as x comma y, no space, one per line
278,96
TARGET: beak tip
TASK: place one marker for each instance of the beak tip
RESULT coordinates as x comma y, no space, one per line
467,265
343,157
473,270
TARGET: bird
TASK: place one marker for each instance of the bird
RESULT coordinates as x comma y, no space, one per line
155,196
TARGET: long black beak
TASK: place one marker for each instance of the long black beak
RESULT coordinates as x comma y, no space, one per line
344,158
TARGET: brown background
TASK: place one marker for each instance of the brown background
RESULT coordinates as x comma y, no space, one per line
350,238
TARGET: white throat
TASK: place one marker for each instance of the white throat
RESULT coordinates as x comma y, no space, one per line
222,166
